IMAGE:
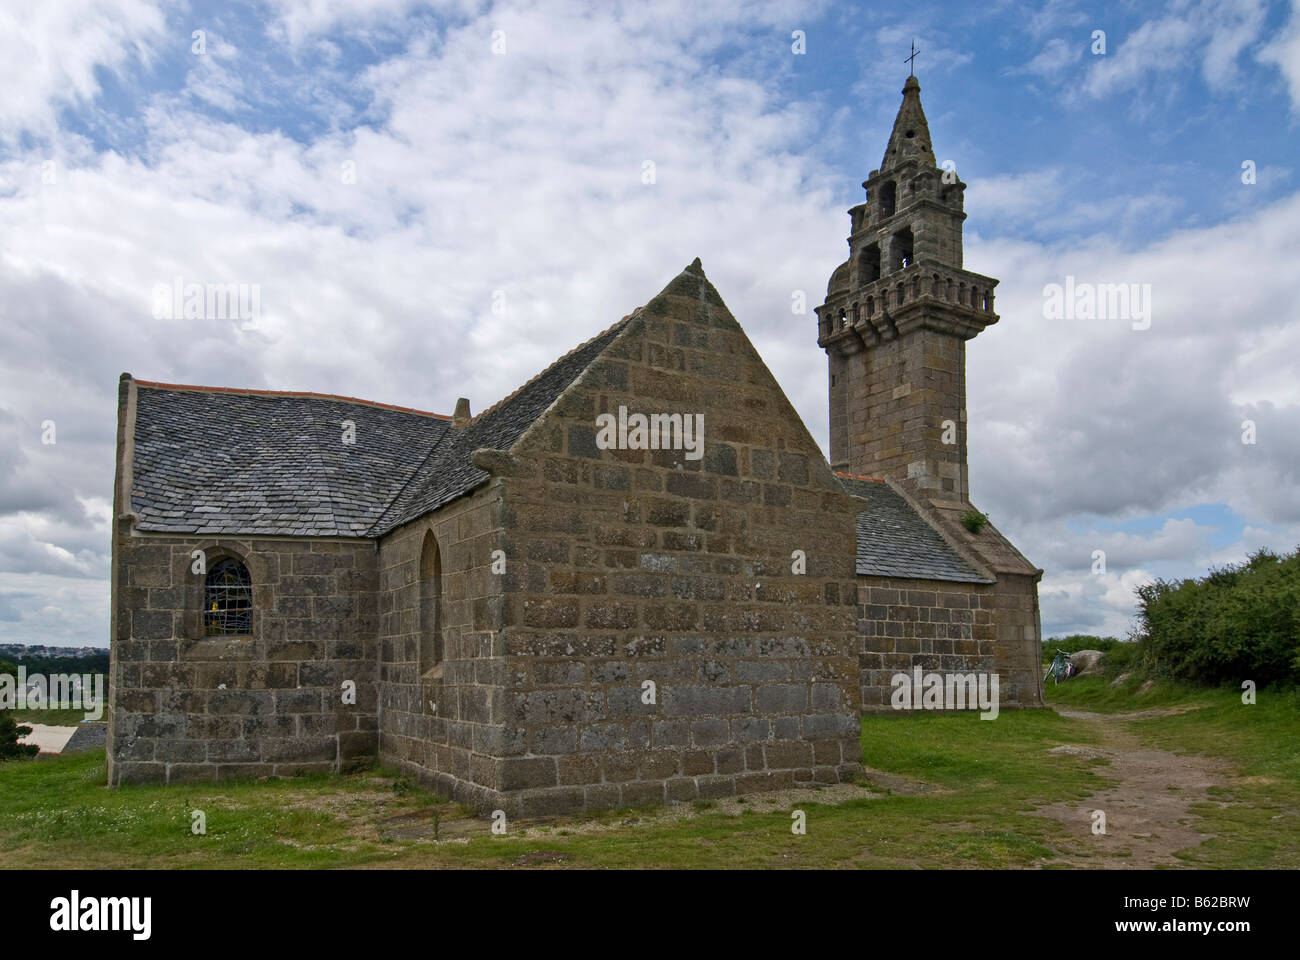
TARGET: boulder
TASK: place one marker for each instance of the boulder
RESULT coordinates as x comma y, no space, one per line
1086,661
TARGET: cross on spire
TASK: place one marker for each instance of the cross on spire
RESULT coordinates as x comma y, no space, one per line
911,61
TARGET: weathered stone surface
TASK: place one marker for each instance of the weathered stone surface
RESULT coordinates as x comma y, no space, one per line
1087,661
231,706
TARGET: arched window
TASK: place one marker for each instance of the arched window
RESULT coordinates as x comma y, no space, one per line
900,250
869,263
227,599
430,605
887,199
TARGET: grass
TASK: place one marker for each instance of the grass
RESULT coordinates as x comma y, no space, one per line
51,718
1253,821
990,774
974,521
56,811
959,793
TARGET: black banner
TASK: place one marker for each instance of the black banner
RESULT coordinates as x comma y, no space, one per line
916,910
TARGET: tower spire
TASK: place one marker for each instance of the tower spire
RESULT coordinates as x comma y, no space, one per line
911,133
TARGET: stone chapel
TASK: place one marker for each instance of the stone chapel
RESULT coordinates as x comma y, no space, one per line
526,618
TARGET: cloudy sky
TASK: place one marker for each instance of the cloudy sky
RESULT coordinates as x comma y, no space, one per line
437,199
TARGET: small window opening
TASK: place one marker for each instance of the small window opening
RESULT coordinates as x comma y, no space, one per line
869,263
227,600
900,250
430,603
888,199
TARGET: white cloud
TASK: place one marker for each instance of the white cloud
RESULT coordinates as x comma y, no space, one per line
1145,419
1070,552
50,52
54,610
1056,58
1211,32
1052,16
1013,195
1283,51
1101,604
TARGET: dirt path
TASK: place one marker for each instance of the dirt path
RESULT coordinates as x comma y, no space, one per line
1146,807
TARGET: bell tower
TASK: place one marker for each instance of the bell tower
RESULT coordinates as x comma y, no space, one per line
897,317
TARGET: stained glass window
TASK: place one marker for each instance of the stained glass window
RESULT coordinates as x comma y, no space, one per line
227,600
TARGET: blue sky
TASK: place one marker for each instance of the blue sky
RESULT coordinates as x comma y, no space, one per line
126,159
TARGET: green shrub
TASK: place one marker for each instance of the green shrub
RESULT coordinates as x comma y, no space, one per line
10,748
974,521
1240,622
1121,658
1075,642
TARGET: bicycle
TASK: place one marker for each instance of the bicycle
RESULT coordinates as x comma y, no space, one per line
1061,669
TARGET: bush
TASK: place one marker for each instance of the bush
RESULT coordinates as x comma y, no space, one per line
1122,657
1240,622
10,732
10,748
1076,642
974,521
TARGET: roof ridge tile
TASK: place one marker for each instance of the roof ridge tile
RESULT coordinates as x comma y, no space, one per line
312,394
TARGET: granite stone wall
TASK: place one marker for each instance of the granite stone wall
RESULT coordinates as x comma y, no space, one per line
631,568
447,725
189,707
948,627
888,408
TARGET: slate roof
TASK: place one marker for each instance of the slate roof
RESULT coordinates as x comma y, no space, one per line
896,541
225,462
218,461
